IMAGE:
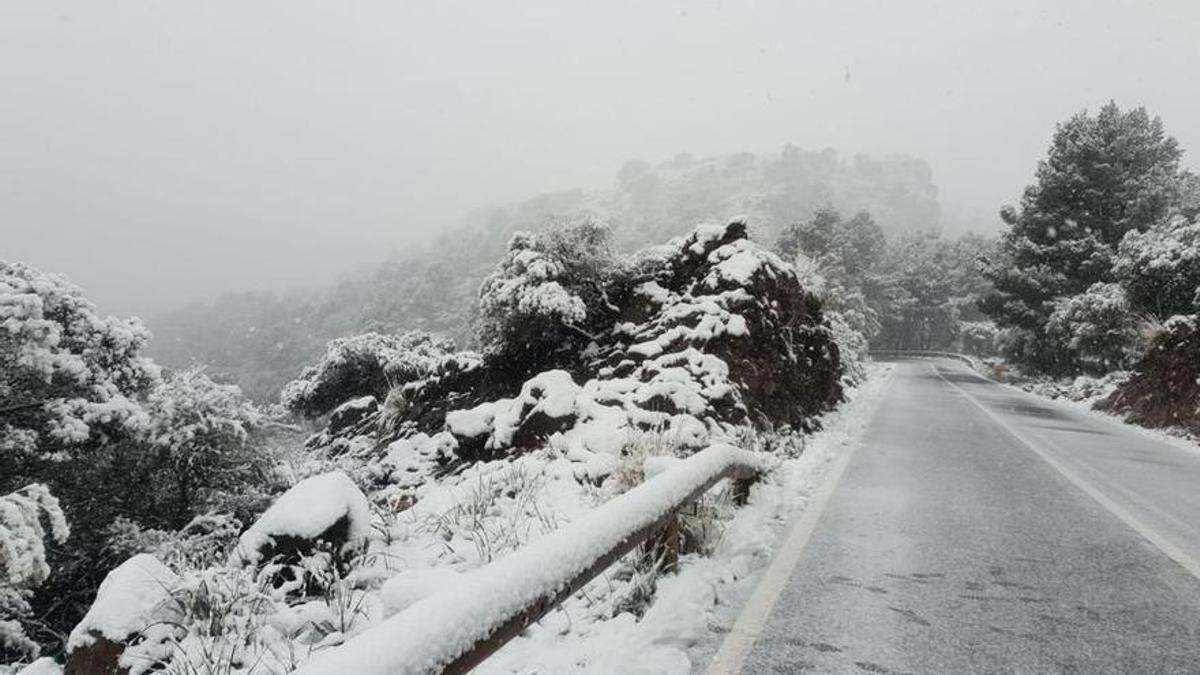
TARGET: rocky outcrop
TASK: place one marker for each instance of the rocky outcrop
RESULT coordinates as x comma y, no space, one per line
1164,390
131,598
690,340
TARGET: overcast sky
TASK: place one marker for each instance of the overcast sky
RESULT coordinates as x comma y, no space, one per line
159,151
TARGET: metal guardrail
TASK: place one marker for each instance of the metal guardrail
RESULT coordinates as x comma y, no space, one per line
454,630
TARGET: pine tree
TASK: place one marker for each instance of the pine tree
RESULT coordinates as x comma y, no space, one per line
1103,176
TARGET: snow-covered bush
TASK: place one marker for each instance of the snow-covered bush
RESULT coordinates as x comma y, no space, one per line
834,258
696,339
370,364
206,540
203,442
546,294
1160,268
1095,328
28,517
67,374
84,412
980,338
851,321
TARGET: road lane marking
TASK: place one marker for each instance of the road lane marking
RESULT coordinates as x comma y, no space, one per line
753,618
1161,542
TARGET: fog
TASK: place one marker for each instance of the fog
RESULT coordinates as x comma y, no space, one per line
161,152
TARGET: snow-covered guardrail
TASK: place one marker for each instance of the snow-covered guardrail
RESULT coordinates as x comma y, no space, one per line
454,630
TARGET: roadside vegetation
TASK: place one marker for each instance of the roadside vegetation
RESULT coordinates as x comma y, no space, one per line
1096,283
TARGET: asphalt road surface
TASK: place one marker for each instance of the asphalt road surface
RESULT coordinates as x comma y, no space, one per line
978,529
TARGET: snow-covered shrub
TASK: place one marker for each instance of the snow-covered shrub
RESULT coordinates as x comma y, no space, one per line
83,411
851,321
834,258
546,294
980,338
67,374
206,540
695,338
204,443
1096,328
370,364
1160,268
27,518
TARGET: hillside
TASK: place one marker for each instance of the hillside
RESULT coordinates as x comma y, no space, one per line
262,340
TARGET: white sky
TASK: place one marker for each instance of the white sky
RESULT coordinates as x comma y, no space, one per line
159,151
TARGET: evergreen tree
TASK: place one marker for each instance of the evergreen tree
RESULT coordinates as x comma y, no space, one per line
1104,176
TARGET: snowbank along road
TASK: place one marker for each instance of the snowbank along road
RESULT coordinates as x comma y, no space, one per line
981,529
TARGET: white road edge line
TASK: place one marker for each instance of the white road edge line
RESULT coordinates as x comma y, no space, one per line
1163,544
753,617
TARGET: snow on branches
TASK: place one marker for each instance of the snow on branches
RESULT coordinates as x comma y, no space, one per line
1096,327
540,294
371,364
66,374
1160,268
27,518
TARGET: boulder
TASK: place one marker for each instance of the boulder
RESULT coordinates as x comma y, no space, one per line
134,596
326,509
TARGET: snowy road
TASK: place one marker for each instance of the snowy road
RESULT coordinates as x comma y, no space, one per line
979,529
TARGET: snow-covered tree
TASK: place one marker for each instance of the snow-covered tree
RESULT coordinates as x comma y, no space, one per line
202,446
1103,176
1094,331
83,412
925,288
836,258
1160,268
68,376
28,517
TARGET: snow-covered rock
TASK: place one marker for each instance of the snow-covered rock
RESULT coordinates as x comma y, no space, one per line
328,508
134,596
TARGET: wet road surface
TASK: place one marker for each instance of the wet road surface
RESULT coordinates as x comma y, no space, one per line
978,529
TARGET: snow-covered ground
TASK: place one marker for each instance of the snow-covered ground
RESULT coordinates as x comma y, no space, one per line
695,607
634,618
